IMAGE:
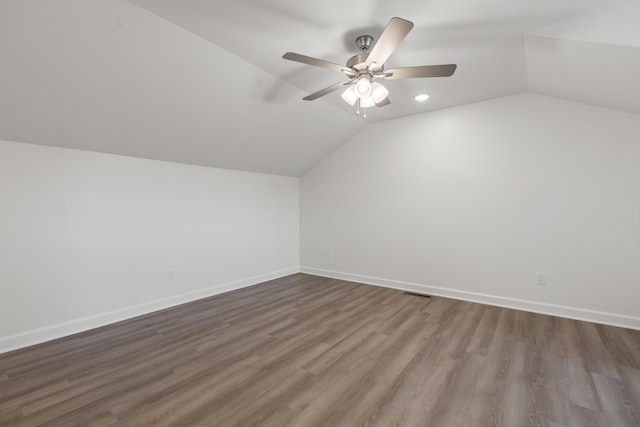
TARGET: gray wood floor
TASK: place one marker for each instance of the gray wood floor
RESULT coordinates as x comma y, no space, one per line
310,351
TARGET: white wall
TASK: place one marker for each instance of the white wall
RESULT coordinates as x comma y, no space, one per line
468,202
88,238
472,201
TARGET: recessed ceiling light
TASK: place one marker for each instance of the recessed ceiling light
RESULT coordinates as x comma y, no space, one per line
422,97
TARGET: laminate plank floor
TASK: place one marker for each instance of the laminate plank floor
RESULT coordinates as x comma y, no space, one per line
310,351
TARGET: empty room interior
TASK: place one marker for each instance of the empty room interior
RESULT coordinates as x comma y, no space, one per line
366,213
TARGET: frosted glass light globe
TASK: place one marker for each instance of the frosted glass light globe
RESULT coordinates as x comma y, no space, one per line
367,102
363,87
349,95
378,92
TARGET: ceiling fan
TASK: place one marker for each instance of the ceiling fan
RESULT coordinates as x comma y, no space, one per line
364,68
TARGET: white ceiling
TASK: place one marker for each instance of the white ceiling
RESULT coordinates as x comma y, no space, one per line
203,82
107,76
593,57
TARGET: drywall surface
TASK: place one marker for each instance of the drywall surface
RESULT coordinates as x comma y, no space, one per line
89,238
611,23
577,76
472,202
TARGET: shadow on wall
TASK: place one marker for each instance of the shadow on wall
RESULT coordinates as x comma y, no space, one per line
279,92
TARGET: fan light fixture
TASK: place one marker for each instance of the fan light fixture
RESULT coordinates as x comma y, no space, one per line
365,93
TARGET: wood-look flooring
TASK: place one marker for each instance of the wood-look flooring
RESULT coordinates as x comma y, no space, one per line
311,351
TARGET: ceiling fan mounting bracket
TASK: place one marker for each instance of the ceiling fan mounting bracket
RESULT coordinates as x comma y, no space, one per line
364,43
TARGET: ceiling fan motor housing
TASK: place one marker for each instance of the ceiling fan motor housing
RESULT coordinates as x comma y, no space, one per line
358,62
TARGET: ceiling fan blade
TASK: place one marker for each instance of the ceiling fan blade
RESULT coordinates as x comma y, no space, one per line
291,56
423,71
396,30
325,91
383,102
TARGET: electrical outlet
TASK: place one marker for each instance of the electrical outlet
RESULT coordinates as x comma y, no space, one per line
541,278
329,254
171,275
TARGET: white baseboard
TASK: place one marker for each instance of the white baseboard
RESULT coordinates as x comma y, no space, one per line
60,330
604,318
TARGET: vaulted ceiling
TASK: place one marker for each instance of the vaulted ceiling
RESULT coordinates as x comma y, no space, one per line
203,82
